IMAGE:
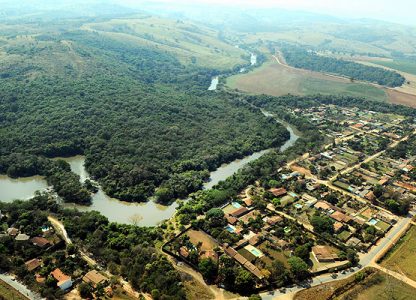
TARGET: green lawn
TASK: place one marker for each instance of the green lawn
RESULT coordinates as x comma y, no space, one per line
407,66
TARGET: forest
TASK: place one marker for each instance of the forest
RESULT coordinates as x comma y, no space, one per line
142,119
304,59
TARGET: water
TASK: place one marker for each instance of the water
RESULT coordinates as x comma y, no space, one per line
253,59
20,188
214,83
143,214
227,170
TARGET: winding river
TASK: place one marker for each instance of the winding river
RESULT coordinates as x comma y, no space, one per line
144,214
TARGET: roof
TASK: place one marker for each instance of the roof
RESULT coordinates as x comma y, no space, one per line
248,201
340,217
273,220
370,196
12,231
251,215
210,254
33,264
230,219
239,212
241,259
183,252
322,205
337,226
254,270
59,276
254,240
278,192
22,237
40,241
94,277
324,253
230,251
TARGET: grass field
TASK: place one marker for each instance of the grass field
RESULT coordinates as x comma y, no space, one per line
277,80
407,66
402,258
196,236
190,43
377,286
9,292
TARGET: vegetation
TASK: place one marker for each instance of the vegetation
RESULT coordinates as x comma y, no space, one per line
303,59
147,119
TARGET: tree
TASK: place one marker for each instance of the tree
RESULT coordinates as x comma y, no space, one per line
244,281
254,297
215,218
279,275
322,224
298,267
208,268
85,290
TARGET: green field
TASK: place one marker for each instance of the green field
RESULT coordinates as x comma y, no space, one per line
407,66
7,292
277,80
402,258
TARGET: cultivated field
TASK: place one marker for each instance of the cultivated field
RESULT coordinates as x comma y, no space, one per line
402,258
277,80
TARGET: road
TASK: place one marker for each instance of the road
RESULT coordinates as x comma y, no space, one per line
366,260
21,288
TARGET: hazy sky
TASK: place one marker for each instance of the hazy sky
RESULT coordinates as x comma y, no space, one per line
401,11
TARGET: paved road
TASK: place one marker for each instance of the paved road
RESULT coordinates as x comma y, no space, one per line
21,288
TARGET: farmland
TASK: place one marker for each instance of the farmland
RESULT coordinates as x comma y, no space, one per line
277,80
402,258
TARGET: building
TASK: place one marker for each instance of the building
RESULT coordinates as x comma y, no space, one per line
231,220
22,237
12,231
322,205
340,217
278,192
33,264
239,212
40,242
324,254
248,202
64,281
94,278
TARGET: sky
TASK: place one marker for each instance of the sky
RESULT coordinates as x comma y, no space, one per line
399,11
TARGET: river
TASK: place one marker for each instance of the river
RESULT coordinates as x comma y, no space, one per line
214,82
144,214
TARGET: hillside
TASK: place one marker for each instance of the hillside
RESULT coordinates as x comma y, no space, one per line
140,113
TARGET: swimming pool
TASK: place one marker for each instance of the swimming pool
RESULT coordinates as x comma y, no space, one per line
236,204
373,222
253,250
230,228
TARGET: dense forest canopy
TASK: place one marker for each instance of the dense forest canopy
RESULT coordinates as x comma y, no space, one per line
304,59
141,117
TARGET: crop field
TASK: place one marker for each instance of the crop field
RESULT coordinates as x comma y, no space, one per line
407,66
402,258
277,80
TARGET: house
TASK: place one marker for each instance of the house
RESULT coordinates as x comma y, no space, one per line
64,281
231,220
322,205
251,215
340,217
254,240
338,226
40,242
22,237
324,254
309,200
33,264
239,212
12,231
94,278
183,252
248,202
386,217
278,192
370,196
273,220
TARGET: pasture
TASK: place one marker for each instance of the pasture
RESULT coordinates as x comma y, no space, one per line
277,80
402,258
